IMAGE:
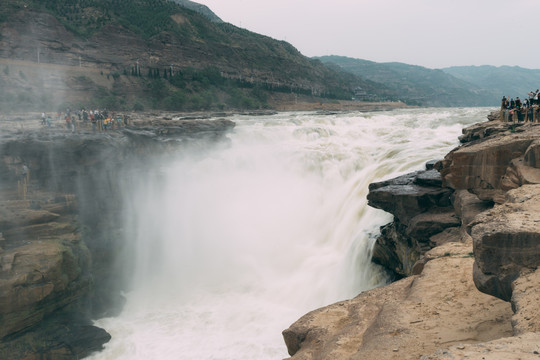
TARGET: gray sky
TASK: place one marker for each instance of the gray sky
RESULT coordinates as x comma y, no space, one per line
431,33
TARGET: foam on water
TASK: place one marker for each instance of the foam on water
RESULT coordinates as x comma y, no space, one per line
235,246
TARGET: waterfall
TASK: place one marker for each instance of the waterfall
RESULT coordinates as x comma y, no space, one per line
233,246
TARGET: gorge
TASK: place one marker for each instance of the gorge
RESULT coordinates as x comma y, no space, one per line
221,232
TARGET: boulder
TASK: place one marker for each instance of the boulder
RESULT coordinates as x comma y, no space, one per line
506,240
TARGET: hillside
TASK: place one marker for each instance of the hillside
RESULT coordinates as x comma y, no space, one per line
153,54
415,84
510,81
202,9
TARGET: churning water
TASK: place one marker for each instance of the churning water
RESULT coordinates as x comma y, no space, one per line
234,246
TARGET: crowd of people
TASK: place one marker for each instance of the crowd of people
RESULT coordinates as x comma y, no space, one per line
97,120
516,110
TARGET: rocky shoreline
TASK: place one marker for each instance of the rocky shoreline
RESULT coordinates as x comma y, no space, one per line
464,242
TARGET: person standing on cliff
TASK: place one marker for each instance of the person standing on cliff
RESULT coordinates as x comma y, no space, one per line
503,103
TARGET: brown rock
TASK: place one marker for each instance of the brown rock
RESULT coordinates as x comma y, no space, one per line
468,205
525,300
511,348
412,315
506,240
37,279
479,166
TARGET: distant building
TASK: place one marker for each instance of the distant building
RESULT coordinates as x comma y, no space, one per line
360,93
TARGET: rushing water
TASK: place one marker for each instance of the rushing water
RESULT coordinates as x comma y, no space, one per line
233,247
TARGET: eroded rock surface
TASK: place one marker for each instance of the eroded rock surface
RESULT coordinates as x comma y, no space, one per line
406,319
506,240
479,166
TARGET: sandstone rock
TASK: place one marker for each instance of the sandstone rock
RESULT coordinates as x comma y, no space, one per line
532,155
452,234
479,166
395,251
468,205
483,130
404,199
22,217
425,225
506,241
494,115
511,348
411,315
525,300
39,278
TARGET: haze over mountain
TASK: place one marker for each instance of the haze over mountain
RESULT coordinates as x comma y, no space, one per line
415,84
510,81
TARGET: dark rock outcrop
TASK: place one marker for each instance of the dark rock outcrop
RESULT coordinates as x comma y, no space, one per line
421,208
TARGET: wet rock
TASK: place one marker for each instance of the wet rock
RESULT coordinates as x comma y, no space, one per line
421,209
395,250
429,178
403,198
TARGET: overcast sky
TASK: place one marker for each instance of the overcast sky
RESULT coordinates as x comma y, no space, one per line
431,33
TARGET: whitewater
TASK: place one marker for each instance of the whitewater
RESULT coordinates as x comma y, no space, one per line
233,245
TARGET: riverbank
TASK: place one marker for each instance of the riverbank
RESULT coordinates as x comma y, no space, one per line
63,257
471,224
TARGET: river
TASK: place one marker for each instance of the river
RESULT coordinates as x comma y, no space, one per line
233,246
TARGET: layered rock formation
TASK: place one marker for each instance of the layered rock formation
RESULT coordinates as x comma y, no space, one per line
473,221
63,257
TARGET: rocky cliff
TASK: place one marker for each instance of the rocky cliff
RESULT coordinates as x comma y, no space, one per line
467,222
63,253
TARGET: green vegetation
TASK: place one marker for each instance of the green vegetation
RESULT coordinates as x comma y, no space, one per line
415,85
235,68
